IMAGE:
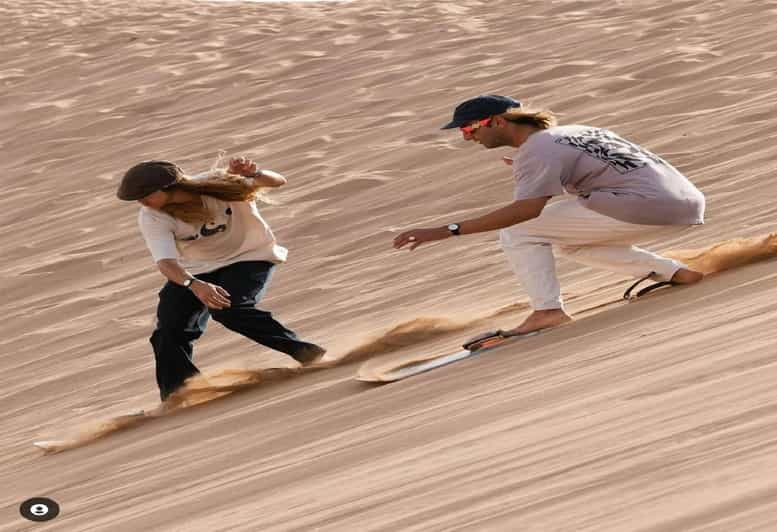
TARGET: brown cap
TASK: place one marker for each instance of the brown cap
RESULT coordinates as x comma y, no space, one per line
147,177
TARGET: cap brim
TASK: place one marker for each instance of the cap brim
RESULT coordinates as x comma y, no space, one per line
125,195
452,124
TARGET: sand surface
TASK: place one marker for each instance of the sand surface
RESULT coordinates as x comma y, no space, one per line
654,416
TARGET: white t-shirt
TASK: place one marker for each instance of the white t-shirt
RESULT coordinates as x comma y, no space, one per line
609,174
238,233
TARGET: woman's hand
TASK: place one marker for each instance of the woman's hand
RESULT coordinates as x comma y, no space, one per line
242,166
211,295
416,237
262,178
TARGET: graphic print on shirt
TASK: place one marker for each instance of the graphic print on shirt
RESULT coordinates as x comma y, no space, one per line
620,154
211,228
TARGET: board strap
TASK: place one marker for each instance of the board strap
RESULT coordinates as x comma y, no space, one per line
627,295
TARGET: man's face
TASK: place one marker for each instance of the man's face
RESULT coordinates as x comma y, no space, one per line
484,131
155,200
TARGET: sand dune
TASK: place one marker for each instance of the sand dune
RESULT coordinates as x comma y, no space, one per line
657,416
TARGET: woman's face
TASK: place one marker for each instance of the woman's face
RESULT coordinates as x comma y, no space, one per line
155,200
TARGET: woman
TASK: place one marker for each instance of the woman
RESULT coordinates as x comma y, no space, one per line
218,254
622,194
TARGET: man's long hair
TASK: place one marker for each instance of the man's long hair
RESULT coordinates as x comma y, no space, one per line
541,119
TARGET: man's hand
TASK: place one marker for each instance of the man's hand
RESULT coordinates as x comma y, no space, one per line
416,237
516,212
242,166
211,295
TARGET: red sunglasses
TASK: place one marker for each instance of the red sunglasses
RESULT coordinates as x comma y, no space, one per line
467,130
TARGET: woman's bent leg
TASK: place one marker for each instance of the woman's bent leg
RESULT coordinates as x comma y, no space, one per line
247,283
181,319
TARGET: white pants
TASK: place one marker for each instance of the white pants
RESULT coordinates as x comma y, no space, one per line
585,236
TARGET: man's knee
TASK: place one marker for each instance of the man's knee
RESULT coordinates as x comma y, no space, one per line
512,237
516,238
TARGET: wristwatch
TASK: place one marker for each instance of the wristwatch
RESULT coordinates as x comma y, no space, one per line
454,229
188,283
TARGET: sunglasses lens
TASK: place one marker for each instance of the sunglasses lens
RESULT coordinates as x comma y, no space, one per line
467,130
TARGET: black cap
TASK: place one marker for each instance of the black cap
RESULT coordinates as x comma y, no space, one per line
147,177
481,107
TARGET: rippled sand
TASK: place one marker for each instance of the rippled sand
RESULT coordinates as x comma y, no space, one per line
654,416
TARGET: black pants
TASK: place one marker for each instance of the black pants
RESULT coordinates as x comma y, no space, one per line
182,318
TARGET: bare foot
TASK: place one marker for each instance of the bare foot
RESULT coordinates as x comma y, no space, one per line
542,319
684,276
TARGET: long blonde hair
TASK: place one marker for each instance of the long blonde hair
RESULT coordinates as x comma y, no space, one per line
541,119
218,183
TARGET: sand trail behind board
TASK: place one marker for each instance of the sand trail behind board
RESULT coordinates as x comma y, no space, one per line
205,388
658,414
716,258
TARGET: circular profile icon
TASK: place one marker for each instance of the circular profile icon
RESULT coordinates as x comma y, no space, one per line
39,509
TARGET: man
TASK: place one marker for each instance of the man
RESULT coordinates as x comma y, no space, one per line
623,194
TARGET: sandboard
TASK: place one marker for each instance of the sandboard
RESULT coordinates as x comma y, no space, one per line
475,346
479,344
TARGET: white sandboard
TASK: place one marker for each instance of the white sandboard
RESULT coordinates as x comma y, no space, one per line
403,370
